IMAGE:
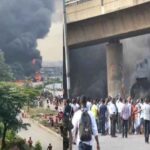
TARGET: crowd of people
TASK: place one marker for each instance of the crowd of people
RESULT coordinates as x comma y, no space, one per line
108,116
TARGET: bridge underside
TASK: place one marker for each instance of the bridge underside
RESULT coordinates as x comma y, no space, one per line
121,24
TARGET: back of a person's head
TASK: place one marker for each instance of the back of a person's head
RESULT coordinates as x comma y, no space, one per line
113,100
103,101
68,101
125,101
83,101
74,101
147,99
120,99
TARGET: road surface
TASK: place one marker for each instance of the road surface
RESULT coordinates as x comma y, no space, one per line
134,142
39,134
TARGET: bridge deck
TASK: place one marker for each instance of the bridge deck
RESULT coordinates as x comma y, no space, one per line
78,10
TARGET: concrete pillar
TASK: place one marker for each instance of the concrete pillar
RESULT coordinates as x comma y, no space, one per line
114,68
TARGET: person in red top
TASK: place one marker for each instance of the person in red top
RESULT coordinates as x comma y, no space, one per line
30,142
133,112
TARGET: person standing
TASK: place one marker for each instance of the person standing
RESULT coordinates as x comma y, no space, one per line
130,124
113,117
84,126
125,115
146,113
49,147
141,116
103,116
67,125
88,104
94,110
119,105
30,142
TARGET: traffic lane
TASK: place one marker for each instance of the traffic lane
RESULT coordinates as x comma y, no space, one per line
39,134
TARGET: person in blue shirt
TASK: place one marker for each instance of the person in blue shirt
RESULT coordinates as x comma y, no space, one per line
103,116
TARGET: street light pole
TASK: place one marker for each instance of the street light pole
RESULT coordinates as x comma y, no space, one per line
67,63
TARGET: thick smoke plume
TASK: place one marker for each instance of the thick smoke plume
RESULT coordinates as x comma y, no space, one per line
22,23
88,71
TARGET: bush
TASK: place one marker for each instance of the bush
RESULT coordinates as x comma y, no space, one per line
10,136
38,146
17,142
1,129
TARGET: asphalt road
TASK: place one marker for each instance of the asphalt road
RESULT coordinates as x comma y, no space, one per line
39,134
134,142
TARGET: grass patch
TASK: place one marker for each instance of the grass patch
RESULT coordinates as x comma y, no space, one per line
36,113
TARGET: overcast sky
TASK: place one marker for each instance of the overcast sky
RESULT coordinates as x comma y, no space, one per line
51,45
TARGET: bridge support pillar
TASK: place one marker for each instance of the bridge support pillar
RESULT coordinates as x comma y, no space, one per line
114,68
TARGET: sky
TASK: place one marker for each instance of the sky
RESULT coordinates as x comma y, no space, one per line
51,46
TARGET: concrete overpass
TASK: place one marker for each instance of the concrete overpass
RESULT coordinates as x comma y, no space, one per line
90,22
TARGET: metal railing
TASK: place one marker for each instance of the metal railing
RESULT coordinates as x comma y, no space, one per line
102,2
71,2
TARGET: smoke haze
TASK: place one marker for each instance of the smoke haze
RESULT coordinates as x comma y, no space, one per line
88,66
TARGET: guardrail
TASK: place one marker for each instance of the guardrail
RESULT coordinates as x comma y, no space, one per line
71,2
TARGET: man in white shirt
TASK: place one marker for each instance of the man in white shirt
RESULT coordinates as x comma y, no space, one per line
125,114
119,105
88,105
84,145
113,117
141,116
146,113
130,124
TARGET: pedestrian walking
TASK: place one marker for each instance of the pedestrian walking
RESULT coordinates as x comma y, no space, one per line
146,113
84,126
49,147
67,125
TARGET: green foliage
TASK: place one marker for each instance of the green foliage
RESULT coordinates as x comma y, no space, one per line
31,94
1,129
5,71
52,81
10,136
38,146
17,142
12,99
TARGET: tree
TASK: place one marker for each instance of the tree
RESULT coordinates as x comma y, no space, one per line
31,94
5,71
12,99
38,146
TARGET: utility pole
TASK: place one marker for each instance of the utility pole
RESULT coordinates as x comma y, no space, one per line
67,130
67,63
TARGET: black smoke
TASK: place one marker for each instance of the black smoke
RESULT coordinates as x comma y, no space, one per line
88,71
22,22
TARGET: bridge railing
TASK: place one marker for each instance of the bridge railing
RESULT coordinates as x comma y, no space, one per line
111,5
72,2
83,9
